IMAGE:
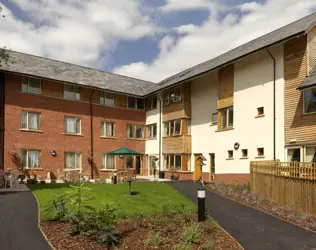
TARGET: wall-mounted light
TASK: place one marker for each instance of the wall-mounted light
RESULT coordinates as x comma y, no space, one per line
236,145
121,156
53,153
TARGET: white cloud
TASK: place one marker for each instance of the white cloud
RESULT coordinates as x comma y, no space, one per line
215,37
185,29
74,31
182,5
252,6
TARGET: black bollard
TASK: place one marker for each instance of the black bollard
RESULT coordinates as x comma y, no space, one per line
129,187
115,178
201,204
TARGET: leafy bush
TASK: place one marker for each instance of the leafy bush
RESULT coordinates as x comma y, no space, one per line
207,246
192,233
108,238
210,225
154,239
182,246
58,207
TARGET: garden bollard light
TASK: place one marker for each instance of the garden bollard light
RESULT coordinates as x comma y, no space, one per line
201,204
129,187
115,178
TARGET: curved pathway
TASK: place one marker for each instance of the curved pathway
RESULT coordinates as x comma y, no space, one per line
251,228
18,222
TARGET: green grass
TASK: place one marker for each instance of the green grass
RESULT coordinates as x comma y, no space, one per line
151,197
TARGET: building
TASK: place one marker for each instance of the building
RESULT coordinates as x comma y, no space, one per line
255,102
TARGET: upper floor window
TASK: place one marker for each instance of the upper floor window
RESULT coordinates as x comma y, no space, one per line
172,95
227,117
188,127
135,131
151,102
107,129
214,117
30,158
151,132
31,85
309,100
30,120
71,92
135,103
72,125
106,98
172,128
73,160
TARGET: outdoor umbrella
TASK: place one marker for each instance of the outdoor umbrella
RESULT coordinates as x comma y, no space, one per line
124,151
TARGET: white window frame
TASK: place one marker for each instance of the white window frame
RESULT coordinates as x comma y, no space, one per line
188,127
313,87
76,119
76,154
150,128
104,162
293,147
134,131
76,92
172,133
305,151
104,127
27,85
28,120
27,158
136,104
228,110
105,98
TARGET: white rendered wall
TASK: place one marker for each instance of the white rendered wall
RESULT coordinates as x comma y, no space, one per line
253,88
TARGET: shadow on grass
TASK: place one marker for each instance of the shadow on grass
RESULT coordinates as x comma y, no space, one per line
38,186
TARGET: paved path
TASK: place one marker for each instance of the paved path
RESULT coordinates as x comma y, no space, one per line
18,223
251,228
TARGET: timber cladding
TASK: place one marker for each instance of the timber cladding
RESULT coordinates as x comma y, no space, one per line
176,111
311,45
297,125
176,144
226,87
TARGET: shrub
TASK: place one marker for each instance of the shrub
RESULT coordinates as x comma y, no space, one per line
154,239
182,246
192,233
58,207
210,225
207,246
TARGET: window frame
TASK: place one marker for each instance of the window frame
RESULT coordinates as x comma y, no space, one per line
75,155
169,160
230,154
188,127
28,120
150,128
228,110
134,126
213,121
76,92
260,111
149,102
258,152
136,99
170,95
27,158
308,113
305,153
172,131
243,155
27,79
104,128
103,97
75,125
104,162
294,147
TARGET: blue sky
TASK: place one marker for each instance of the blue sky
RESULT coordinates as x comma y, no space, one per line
142,38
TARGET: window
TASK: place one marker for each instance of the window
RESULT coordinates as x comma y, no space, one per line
227,117
214,117
151,132
130,161
151,102
71,92
294,154
135,131
30,121
230,154
172,161
72,125
106,98
188,92
260,111
73,160
310,154
260,152
187,166
172,95
30,158
309,100
107,129
31,85
108,161
172,128
135,103
244,153
188,127
177,161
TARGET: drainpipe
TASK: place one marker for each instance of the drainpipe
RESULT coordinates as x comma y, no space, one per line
160,108
274,77
91,134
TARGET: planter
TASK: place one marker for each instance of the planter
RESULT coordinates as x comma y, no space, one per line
172,177
176,177
161,174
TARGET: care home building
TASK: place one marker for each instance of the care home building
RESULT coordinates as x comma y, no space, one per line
255,102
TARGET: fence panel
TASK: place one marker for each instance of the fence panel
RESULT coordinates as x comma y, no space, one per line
291,184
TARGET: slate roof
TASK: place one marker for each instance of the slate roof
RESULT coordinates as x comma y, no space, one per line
309,81
294,29
70,73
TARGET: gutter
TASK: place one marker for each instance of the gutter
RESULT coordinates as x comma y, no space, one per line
160,111
91,134
274,79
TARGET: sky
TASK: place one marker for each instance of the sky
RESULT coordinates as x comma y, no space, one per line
145,39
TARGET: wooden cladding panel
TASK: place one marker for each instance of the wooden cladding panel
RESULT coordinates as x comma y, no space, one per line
120,101
184,163
176,144
297,125
311,44
51,88
176,110
226,87
85,94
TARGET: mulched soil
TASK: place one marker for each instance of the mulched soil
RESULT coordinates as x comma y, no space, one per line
244,196
134,234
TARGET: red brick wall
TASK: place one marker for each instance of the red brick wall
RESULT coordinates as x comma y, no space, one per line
182,175
52,112
232,178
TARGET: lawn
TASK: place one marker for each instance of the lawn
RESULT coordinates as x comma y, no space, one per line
151,197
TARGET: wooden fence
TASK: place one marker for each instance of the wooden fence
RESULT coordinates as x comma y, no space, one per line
292,184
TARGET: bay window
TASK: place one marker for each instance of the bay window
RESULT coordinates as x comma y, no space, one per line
172,160
172,95
172,128
309,100
151,102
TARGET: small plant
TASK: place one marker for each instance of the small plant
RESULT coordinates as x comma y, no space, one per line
154,239
58,207
210,225
192,233
182,246
207,246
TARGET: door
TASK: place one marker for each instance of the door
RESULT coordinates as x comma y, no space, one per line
212,167
197,166
138,165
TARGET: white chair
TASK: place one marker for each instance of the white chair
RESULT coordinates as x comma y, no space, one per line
12,178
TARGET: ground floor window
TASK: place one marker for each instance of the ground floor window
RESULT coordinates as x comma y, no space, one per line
180,162
73,160
294,154
302,154
30,158
310,154
108,162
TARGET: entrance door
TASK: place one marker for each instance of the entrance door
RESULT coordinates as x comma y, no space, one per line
197,167
212,167
138,164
